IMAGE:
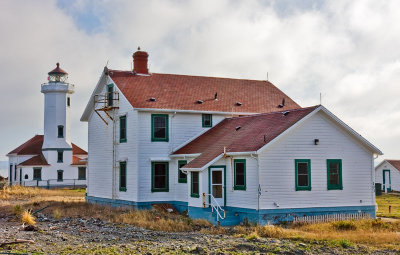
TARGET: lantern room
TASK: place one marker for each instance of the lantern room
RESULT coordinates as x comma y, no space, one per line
58,75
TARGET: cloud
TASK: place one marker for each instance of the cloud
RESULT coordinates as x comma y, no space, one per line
346,50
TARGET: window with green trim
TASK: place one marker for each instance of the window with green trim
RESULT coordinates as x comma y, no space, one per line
303,174
122,129
110,95
60,175
122,176
159,177
159,127
334,173
37,174
239,166
207,120
194,184
60,156
182,177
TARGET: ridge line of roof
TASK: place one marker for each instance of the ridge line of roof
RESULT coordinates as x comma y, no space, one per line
191,75
268,113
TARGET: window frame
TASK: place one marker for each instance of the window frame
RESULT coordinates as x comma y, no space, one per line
235,186
334,186
166,189
60,159
192,194
181,180
122,130
62,175
308,161
60,134
155,139
110,95
203,120
33,177
122,176
79,168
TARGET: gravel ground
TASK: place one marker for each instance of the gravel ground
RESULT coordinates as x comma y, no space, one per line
93,236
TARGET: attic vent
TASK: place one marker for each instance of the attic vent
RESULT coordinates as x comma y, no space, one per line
152,99
216,96
237,128
199,101
285,113
238,103
282,104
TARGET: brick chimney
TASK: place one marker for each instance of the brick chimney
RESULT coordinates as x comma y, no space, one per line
140,62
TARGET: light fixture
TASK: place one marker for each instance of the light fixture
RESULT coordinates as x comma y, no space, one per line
316,141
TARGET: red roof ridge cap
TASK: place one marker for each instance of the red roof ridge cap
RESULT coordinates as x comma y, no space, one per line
270,113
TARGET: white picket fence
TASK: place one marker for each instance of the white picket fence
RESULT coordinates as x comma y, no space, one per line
330,217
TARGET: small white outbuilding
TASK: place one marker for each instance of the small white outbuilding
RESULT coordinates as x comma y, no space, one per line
387,173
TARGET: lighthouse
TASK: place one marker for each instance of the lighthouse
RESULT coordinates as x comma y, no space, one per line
57,107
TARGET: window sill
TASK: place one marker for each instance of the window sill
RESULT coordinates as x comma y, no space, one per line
159,190
122,189
239,188
182,181
195,195
303,188
122,141
159,140
81,179
335,188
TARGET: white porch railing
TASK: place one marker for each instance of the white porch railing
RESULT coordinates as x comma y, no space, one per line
214,206
331,217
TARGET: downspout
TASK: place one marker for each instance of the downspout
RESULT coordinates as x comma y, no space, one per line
373,182
114,172
258,177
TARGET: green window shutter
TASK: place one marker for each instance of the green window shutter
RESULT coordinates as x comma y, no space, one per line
239,166
206,120
122,129
334,174
122,176
303,174
159,128
159,177
182,178
194,184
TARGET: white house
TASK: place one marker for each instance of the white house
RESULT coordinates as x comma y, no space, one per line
51,159
221,148
387,173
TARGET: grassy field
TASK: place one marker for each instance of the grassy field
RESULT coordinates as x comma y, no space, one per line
70,203
383,206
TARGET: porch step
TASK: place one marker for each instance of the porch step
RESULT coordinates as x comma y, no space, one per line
231,219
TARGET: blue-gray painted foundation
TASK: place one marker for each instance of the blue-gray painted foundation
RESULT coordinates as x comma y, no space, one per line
237,215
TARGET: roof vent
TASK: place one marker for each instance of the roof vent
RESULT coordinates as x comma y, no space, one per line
282,104
285,113
237,128
152,99
238,103
216,96
199,101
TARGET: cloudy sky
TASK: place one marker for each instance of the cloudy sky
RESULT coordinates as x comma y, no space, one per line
346,50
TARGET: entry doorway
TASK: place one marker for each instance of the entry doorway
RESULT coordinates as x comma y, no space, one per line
387,187
217,185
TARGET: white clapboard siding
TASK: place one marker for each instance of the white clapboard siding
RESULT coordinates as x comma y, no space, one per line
277,168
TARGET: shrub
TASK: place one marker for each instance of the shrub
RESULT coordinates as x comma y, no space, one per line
344,243
252,237
17,210
270,231
28,218
344,225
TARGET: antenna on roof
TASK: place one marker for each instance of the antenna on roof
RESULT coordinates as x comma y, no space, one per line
107,62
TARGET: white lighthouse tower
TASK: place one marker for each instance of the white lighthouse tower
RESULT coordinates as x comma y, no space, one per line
57,103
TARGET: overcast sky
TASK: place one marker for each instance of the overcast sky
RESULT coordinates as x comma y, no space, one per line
346,50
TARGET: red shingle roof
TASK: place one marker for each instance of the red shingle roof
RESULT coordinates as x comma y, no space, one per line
182,92
241,134
78,161
34,147
38,160
395,163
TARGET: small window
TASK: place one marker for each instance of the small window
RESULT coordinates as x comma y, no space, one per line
82,173
159,128
207,120
239,174
182,177
59,156
26,177
15,172
37,174
303,174
122,129
334,173
110,95
60,175
60,131
68,101
194,187
122,176
159,177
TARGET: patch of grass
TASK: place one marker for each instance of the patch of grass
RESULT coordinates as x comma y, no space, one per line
28,218
384,201
252,237
56,214
17,210
27,193
343,243
344,225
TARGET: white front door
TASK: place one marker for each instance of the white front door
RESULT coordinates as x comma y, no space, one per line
217,185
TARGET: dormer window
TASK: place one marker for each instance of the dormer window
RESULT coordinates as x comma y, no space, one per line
60,131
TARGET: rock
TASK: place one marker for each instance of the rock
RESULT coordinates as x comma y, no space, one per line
198,250
302,245
31,228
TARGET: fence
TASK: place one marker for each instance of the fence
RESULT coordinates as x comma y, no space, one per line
53,183
330,217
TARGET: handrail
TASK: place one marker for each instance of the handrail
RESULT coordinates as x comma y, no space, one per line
214,206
